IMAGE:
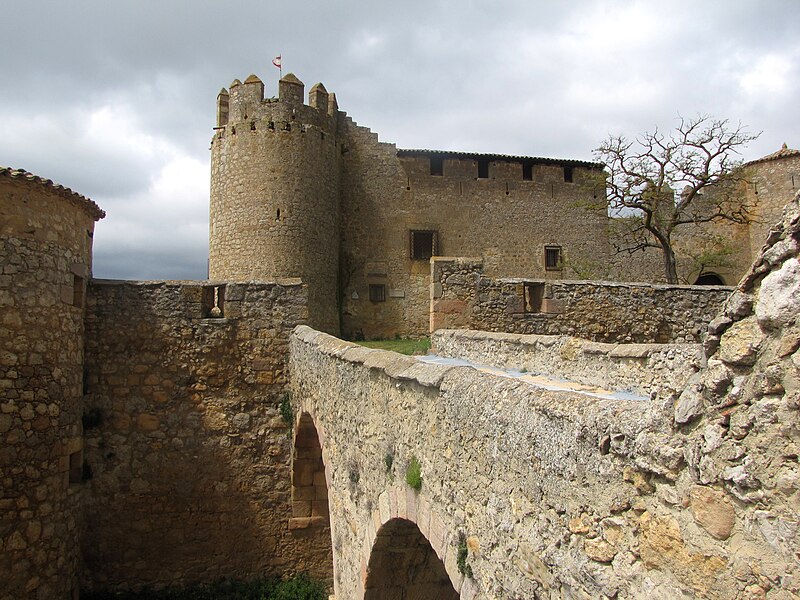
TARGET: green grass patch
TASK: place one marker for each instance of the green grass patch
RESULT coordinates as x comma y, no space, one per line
420,346
299,587
414,474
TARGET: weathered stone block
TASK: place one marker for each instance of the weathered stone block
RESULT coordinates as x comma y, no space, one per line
713,511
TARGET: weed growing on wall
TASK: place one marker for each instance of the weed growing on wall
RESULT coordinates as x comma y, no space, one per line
414,474
461,557
286,411
388,461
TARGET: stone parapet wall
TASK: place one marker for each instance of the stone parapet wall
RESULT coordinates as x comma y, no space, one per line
467,429
188,451
463,297
655,371
45,262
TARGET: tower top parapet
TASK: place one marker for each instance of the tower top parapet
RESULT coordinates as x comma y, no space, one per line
246,101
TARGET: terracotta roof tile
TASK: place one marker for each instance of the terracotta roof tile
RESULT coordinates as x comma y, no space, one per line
784,152
24,176
499,157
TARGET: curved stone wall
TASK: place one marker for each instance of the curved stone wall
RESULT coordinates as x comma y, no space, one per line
45,263
275,195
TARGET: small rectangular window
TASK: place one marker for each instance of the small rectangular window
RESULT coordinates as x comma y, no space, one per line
567,174
423,244
76,467
377,292
527,172
552,258
437,165
534,293
483,169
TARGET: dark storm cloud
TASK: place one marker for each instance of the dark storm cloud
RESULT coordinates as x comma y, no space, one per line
116,99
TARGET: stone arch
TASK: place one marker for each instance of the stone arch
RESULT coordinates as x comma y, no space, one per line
310,520
309,486
710,279
403,565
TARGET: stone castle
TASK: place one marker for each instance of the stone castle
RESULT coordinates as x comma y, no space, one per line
300,190
161,433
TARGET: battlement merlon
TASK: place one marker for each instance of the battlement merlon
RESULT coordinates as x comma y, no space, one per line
290,89
246,100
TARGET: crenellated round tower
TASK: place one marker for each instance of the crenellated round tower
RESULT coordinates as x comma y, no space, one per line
275,190
45,264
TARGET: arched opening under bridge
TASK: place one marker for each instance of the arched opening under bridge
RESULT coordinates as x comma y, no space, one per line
310,520
404,566
709,279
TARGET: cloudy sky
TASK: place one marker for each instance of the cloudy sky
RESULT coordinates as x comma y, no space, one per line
116,98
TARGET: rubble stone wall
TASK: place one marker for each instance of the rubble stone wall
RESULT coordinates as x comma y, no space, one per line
550,494
189,454
463,297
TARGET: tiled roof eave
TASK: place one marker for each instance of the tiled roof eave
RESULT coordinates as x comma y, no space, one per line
541,160
782,153
83,202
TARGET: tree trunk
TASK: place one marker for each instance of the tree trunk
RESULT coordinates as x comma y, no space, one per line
670,267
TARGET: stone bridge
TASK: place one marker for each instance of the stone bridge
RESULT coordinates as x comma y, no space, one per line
531,492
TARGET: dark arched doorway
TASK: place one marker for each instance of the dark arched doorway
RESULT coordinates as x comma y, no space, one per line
709,279
404,566
310,521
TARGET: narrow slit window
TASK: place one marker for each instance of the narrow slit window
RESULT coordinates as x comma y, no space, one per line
437,165
483,169
424,244
377,292
552,258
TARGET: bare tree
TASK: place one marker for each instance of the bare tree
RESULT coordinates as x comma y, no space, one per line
660,182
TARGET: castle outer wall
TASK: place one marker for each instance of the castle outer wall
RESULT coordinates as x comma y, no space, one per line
502,216
45,264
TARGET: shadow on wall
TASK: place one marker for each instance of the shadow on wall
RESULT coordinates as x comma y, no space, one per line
191,458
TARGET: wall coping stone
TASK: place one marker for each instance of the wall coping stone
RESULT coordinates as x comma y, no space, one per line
288,282
587,346
615,284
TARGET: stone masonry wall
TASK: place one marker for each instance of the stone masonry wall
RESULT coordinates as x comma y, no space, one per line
561,495
462,297
189,454
770,181
45,261
648,370
387,193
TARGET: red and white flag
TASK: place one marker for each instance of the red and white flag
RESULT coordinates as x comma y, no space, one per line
277,61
